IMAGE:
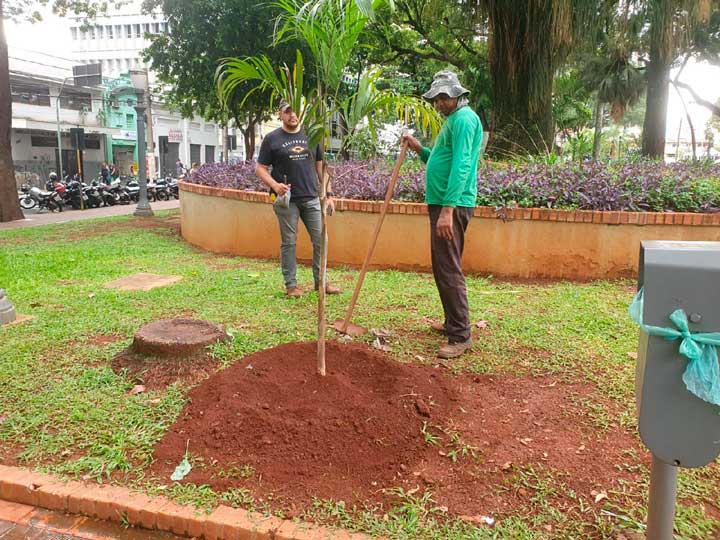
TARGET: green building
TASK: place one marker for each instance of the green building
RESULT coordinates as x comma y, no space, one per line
118,112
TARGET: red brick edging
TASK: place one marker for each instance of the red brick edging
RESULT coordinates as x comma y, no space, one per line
505,214
118,504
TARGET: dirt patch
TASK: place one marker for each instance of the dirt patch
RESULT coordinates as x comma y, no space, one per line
157,373
102,340
142,282
373,424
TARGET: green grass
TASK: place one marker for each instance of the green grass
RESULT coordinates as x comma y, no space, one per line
63,410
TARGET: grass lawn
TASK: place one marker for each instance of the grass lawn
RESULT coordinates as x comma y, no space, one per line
64,411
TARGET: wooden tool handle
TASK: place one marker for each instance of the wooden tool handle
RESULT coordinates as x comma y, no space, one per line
373,242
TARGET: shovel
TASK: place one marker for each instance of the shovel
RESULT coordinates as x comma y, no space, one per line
344,326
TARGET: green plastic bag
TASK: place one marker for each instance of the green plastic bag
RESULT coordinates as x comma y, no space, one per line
702,374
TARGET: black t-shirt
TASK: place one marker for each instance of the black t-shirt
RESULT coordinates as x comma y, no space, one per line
292,162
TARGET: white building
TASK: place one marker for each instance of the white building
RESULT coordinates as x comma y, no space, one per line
36,81
116,42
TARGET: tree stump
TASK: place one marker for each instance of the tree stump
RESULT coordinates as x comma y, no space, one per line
177,337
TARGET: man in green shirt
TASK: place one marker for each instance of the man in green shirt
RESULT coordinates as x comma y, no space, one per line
451,194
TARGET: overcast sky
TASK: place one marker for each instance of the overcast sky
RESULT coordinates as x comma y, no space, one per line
52,37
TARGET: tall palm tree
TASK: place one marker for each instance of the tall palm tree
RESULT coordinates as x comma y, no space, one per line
331,29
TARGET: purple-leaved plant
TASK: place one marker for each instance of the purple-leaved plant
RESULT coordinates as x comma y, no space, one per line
632,186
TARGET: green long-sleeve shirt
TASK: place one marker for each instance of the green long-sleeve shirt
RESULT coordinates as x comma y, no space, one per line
451,173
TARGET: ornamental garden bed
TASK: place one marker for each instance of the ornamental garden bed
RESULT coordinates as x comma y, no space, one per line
580,222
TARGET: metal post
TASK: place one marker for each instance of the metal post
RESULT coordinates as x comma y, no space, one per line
150,132
661,506
143,208
7,310
59,136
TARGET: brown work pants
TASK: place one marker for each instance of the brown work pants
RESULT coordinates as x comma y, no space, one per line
449,278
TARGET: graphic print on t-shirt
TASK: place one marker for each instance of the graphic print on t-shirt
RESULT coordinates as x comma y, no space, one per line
297,149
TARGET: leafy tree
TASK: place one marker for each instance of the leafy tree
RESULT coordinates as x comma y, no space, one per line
676,28
570,102
420,37
24,10
203,32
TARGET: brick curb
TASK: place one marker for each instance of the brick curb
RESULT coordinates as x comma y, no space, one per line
505,214
120,505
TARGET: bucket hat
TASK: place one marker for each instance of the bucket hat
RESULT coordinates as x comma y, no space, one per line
445,82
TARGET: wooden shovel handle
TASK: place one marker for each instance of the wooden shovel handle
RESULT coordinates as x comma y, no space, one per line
373,242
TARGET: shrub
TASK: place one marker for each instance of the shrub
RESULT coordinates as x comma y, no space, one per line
639,185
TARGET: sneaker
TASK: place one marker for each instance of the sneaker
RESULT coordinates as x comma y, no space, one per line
453,350
294,292
438,327
329,289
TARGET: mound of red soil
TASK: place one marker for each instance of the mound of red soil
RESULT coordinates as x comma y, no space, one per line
373,424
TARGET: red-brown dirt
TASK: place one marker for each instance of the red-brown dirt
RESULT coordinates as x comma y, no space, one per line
358,431
157,373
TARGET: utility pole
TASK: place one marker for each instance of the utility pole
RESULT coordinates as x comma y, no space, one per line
151,137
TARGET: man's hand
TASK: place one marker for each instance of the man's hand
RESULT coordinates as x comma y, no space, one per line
444,226
412,143
281,189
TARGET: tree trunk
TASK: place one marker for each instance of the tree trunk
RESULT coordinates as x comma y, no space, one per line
9,203
522,67
658,79
597,137
249,136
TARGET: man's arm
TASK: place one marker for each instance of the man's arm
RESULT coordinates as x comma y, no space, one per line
263,173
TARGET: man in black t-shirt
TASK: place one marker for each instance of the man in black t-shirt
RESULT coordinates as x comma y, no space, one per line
287,163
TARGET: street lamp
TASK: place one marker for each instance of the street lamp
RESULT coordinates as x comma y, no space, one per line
139,82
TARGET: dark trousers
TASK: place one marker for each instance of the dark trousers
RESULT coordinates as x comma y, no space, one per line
449,278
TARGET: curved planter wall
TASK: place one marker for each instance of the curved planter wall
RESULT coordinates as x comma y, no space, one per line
527,243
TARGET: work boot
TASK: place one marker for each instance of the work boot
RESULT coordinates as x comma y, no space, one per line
329,289
294,292
453,350
438,327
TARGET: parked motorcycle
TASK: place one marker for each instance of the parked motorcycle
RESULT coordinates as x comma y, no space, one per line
26,200
49,200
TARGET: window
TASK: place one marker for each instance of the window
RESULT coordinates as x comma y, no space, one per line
77,101
91,31
46,141
118,31
74,33
129,121
128,30
91,143
100,32
109,32
156,28
138,33
163,27
30,94
83,35
146,28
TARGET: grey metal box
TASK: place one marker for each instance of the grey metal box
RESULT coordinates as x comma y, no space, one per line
678,427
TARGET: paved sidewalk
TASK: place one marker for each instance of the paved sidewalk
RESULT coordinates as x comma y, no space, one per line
22,522
34,219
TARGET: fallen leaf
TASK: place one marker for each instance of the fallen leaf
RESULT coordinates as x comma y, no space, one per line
181,471
599,495
380,345
481,324
633,355
506,466
526,441
380,332
421,358
137,389
91,295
